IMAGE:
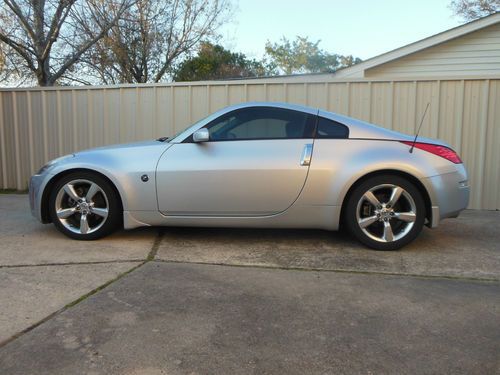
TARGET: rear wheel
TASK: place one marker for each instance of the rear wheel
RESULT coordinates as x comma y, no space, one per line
84,206
385,212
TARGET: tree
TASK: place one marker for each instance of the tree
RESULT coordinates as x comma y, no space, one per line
304,56
214,62
470,10
152,37
42,39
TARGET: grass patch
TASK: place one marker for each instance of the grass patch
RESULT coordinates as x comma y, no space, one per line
13,191
99,288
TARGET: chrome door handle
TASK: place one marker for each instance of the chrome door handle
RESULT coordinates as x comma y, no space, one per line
305,160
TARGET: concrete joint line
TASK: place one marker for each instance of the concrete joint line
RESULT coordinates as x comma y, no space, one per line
151,255
349,271
71,263
156,245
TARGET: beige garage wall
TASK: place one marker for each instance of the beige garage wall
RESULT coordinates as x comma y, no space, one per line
37,125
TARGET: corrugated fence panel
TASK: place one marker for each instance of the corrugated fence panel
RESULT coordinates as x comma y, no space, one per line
360,100
474,135
317,95
338,97
296,93
182,105
491,180
276,93
427,95
145,113
218,97
199,96
255,93
381,104
404,106
451,113
9,144
237,94
37,125
165,112
23,144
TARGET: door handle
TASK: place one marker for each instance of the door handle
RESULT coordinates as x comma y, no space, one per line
305,160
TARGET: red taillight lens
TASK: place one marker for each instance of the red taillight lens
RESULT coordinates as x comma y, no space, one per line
438,150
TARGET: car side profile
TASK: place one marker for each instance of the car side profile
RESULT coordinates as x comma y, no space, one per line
260,165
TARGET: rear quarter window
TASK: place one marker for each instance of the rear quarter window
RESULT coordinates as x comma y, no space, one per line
329,129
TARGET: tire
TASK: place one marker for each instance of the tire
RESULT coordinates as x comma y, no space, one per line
84,206
385,212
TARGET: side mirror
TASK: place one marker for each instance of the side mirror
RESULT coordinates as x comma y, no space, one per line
201,135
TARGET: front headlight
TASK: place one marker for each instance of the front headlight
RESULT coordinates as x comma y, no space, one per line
53,163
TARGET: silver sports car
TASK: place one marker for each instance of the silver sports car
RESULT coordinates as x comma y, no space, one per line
259,165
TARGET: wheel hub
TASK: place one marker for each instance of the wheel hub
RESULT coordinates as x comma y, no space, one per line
84,207
385,213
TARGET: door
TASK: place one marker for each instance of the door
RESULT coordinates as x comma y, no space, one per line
255,163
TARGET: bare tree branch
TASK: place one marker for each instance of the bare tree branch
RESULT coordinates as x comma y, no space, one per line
152,37
47,35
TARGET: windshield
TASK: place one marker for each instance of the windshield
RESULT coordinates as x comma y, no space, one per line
190,129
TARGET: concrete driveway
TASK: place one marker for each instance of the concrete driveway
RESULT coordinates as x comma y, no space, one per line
204,301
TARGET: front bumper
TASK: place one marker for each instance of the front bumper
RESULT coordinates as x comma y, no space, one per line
36,187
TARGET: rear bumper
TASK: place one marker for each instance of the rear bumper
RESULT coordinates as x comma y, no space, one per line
449,194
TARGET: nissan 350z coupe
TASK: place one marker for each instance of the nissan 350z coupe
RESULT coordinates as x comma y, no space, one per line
269,165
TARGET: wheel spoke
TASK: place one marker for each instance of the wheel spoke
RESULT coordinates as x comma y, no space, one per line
70,190
93,190
84,224
64,213
102,212
409,217
388,235
396,193
370,197
367,221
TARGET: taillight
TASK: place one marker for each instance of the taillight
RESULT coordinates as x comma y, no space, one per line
443,151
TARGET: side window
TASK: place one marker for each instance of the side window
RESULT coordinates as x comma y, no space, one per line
262,123
331,129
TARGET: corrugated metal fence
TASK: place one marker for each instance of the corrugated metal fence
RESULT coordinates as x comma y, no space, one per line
39,124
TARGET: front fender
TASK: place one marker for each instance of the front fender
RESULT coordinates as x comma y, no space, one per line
124,167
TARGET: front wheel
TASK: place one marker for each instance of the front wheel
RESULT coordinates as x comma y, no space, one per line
385,212
84,206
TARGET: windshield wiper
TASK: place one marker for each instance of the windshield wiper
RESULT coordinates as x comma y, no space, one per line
163,139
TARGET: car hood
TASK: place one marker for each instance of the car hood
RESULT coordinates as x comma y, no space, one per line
121,157
125,147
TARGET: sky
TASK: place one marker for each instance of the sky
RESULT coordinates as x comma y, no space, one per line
362,28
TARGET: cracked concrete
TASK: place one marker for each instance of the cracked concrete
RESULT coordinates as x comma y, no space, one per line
42,271
466,247
26,242
75,307
29,294
167,318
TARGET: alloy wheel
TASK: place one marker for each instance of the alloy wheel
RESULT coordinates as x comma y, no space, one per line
81,206
386,213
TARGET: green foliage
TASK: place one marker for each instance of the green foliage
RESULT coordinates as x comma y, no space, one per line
304,56
215,62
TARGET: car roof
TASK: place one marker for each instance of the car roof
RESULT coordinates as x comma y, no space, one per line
357,128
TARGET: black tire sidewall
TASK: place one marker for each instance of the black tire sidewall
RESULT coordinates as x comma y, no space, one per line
114,211
362,188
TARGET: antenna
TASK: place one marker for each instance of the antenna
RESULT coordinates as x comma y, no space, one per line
419,127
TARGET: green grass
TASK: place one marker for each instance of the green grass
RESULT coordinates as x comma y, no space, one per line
13,191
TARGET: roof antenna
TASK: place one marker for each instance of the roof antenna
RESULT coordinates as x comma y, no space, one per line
419,127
